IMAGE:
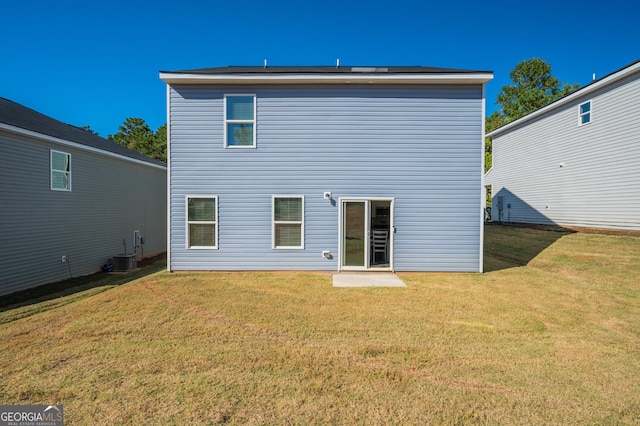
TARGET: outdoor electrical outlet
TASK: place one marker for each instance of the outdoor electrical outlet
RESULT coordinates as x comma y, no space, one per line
64,259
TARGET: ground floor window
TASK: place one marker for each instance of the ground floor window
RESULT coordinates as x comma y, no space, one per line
202,222
288,221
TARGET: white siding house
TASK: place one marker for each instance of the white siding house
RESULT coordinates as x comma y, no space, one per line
68,199
574,162
325,168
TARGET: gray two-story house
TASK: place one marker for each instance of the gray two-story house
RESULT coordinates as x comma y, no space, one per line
71,200
574,162
326,168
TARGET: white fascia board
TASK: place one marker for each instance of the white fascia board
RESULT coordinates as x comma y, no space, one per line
236,79
585,91
63,142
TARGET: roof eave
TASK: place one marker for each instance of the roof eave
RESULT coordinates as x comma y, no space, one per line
585,91
293,79
59,141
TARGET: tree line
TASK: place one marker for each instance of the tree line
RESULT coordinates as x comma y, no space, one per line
532,87
136,134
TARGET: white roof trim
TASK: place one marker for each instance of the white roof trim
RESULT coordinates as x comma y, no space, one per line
58,141
585,91
431,78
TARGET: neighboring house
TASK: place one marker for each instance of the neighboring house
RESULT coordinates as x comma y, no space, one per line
574,162
66,193
326,168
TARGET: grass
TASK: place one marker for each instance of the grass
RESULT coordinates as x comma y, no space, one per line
551,335
29,302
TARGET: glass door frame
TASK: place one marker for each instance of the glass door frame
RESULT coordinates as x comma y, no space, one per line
368,226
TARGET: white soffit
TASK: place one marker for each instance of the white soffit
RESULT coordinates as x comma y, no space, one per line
227,79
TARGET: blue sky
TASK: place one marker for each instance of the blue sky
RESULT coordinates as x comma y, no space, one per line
97,63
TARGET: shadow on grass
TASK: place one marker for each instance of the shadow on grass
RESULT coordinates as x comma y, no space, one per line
63,292
513,245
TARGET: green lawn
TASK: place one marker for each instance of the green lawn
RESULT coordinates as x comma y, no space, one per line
550,335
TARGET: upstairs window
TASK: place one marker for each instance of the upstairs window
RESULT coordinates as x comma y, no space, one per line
60,171
202,223
240,121
584,113
288,226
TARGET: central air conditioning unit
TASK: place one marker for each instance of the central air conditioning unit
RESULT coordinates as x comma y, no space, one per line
124,262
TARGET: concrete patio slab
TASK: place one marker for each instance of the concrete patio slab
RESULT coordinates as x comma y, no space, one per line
367,279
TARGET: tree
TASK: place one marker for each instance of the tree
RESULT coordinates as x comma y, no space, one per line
532,87
135,134
494,121
160,143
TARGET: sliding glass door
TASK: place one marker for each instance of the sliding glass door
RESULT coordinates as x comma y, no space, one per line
365,234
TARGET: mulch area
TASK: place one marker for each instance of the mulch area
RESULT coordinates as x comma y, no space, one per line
557,228
52,288
617,232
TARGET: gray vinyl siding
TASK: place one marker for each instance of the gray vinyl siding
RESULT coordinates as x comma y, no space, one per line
421,146
598,185
110,198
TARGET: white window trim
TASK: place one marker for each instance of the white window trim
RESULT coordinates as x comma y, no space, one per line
581,114
254,121
274,222
51,170
208,222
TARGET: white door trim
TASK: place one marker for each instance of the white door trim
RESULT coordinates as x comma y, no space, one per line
367,201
